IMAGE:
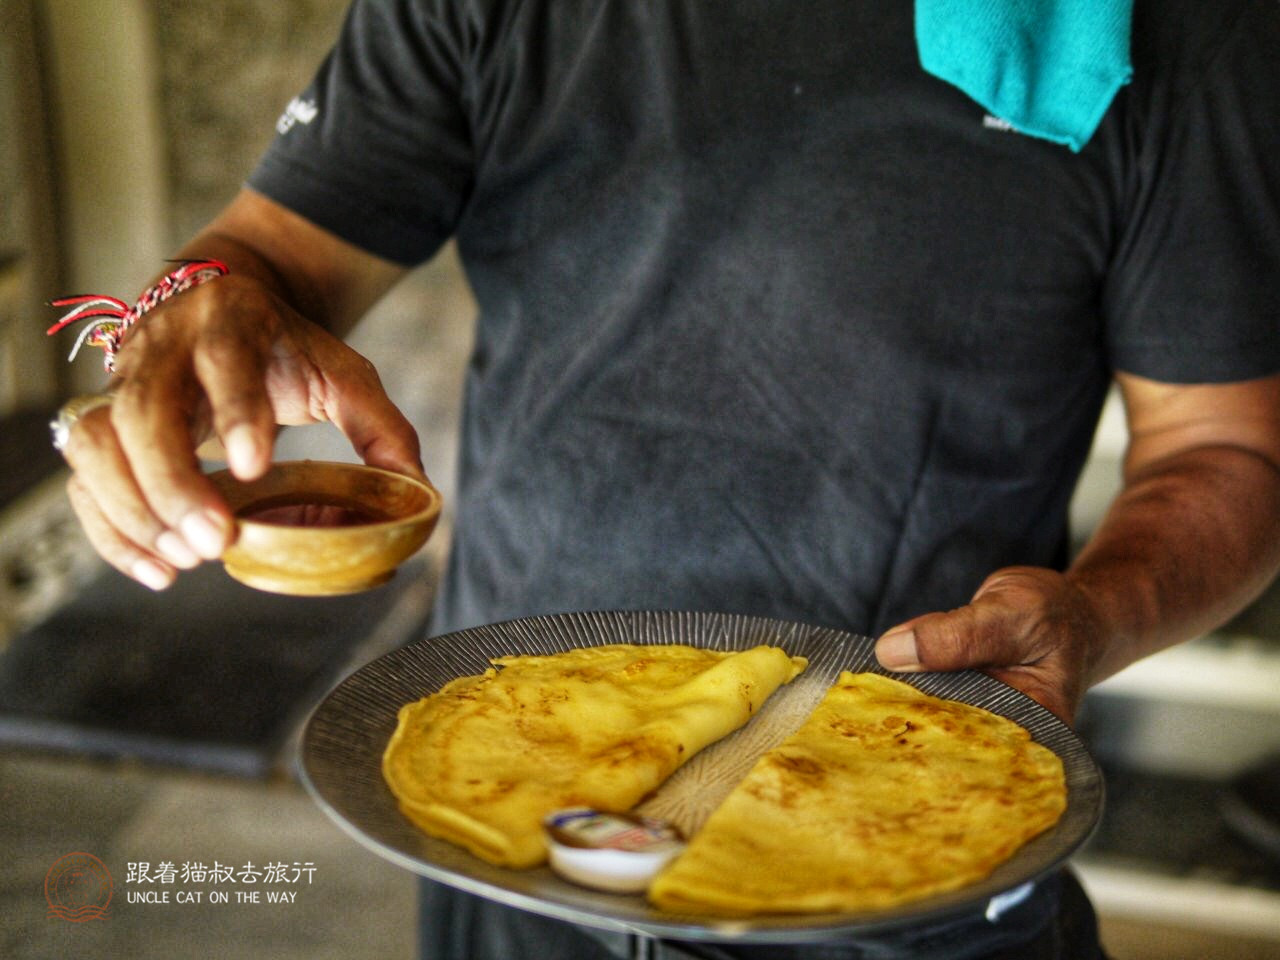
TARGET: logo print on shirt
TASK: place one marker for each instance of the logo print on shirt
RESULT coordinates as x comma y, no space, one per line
991,122
298,111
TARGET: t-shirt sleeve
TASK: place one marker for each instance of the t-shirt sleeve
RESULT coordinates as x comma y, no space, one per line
377,148
1194,290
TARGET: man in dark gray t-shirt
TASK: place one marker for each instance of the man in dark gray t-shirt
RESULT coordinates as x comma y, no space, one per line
772,321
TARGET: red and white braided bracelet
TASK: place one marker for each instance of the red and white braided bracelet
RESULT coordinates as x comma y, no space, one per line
115,317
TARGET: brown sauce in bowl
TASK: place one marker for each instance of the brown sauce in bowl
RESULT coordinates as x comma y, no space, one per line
305,510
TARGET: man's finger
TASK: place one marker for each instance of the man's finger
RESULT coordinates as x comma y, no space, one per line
972,636
990,631
117,550
93,451
153,427
359,406
233,376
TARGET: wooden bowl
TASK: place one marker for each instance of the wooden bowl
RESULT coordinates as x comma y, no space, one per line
311,528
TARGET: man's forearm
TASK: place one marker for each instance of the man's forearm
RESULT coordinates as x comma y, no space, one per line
324,279
1189,542
245,260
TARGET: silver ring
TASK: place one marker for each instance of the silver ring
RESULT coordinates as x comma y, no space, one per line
70,412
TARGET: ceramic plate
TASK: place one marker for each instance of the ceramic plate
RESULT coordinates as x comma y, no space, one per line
343,743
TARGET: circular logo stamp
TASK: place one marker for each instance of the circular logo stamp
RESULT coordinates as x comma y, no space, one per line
78,888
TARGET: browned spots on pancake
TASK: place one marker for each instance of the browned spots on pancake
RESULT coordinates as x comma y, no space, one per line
586,675
846,728
634,750
535,730
549,698
637,666
803,767
900,729
488,790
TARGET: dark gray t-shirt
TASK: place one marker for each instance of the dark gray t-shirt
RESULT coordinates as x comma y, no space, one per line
771,321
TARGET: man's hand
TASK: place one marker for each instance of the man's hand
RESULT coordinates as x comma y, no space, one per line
1029,627
231,359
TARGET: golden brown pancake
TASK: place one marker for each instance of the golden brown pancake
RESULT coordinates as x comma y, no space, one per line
481,762
884,796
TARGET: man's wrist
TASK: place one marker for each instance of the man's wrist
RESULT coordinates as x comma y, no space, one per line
1107,643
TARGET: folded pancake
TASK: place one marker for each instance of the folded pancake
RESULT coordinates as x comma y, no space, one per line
481,762
885,795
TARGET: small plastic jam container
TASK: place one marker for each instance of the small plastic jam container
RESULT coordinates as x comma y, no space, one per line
617,852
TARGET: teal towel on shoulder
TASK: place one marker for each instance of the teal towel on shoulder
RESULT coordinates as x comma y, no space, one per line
1049,68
